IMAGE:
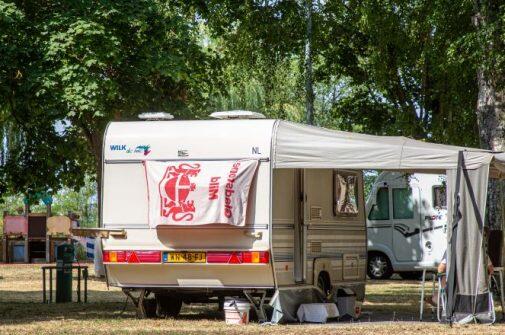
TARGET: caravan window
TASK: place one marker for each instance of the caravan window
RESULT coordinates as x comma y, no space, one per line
403,203
439,197
346,196
380,211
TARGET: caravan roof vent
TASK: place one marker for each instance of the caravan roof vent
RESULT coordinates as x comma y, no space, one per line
237,114
155,116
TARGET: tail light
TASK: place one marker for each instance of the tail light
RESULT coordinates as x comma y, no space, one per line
239,257
148,256
132,256
114,256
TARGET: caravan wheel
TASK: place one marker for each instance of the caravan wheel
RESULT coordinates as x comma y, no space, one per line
379,266
168,305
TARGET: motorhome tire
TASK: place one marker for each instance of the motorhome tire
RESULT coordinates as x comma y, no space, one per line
379,266
168,306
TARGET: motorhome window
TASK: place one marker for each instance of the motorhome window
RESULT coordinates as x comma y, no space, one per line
403,203
439,197
380,210
346,197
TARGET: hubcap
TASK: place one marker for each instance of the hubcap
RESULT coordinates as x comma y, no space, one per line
378,266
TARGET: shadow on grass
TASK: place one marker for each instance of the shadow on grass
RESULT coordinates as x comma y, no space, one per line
26,309
390,303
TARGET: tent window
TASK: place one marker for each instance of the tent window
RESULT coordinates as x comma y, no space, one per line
380,210
403,203
439,197
346,196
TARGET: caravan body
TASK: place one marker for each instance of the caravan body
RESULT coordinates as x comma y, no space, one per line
406,223
304,227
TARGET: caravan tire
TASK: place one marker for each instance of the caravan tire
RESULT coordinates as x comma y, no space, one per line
168,306
379,266
149,309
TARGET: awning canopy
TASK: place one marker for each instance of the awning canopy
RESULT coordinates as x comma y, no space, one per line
301,146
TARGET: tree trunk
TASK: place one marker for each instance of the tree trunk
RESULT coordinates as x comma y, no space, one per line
491,120
491,114
490,111
309,89
97,152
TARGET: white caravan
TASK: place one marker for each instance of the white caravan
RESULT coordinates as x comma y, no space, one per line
304,227
406,223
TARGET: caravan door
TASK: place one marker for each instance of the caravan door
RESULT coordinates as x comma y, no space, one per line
406,223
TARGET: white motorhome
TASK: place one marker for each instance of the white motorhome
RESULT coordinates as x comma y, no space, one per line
303,227
406,223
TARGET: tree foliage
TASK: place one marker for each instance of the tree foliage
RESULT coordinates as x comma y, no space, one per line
67,68
36,156
395,54
382,67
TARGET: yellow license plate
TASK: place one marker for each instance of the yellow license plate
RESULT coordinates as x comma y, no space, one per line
186,257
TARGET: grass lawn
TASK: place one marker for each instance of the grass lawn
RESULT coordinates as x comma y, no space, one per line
392,306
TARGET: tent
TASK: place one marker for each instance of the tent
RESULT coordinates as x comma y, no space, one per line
467,170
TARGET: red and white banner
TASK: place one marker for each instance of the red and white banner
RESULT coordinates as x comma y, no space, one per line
198,192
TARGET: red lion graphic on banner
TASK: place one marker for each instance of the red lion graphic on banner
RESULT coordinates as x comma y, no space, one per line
175,188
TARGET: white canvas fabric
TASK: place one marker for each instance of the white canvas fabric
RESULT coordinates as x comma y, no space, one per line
301,146
468,291
317,312
198,192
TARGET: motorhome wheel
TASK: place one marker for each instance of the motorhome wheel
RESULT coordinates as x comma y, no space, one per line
379,267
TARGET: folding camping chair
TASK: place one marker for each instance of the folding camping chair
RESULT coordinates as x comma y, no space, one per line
497,285
442,300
